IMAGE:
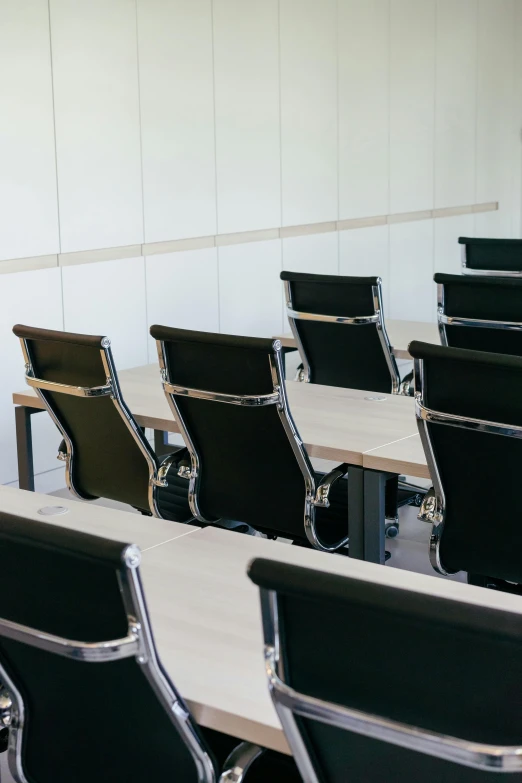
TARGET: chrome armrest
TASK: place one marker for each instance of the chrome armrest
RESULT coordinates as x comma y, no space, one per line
239,761
322,492
300,374
407,385
428,509
6,708
184,469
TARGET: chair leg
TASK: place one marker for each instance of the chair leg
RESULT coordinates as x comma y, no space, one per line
239,762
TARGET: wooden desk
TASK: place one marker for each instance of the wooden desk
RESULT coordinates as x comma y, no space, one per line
207,624
123,526
341,425
402,456
336,424
401,334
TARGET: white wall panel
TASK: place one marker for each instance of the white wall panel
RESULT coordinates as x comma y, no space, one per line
365,252
314,253
412,88
498,136
32,298
28,201
412,290
447,251
455,102
309,110
97,123
182,291
363,107
250,289
108,298
177,118
246,67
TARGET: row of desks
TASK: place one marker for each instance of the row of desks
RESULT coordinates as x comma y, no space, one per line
346,425
205,611
376,434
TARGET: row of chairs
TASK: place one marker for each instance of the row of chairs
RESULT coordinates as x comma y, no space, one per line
228,396
86,697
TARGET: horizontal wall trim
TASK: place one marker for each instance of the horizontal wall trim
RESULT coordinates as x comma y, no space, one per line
243,237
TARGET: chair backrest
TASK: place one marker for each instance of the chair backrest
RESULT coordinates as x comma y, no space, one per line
107,453
91,700
248,462
483,314
496,257
338,325
446,713
469,415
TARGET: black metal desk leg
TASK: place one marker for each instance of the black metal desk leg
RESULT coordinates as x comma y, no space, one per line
161,443
24,446
374,515
356,511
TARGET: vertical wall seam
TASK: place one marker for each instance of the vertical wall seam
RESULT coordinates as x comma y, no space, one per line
338,109
55,157
279,84
388,109
435,82
140,116
477,26
215,155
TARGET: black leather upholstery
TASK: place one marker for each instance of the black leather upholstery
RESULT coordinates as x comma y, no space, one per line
107,461
456,669
84,721
500,255
480,472
339,354
488,298
248,469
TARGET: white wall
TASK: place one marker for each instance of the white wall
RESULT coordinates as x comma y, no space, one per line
147,121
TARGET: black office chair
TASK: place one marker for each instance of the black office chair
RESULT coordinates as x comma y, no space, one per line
469,415
338,325
90,698
480,313
451,711
248,462
106,453
356,356
494,257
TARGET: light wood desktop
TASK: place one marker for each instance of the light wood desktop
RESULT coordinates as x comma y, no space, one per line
207,624
400,333
335,424
124,526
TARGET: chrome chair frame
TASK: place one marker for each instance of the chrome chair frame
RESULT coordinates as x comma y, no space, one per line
435,510
110,389
374,318
444,320
289,703
138,644
315,495
466,270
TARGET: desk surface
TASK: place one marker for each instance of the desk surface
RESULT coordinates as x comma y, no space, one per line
207,623
124,526
401,334
335,424
205,612
402,456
